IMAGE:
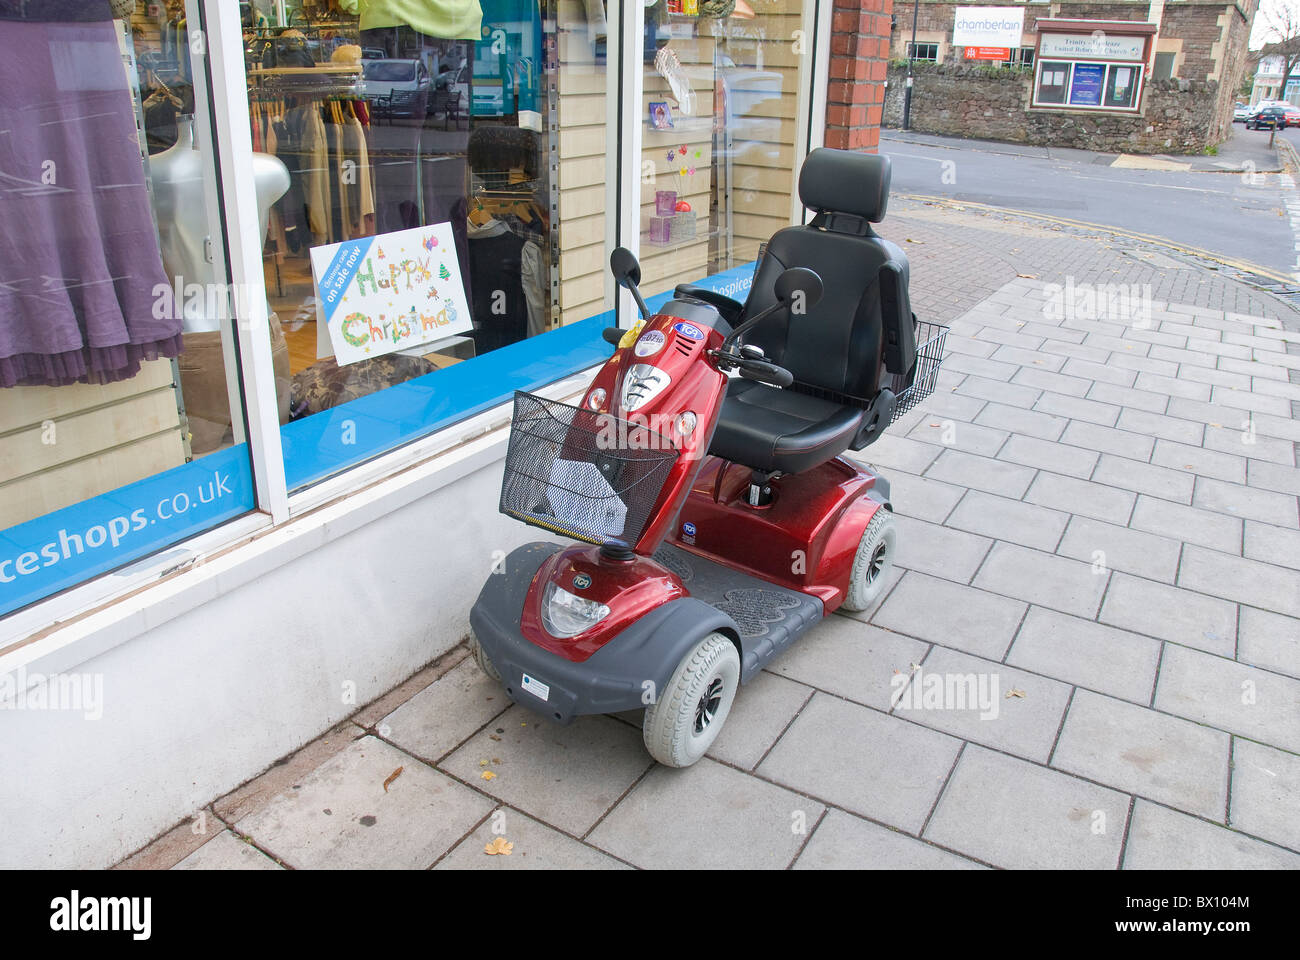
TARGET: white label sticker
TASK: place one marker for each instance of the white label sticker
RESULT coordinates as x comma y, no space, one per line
536,687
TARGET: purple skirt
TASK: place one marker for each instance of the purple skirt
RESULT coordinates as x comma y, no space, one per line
79,258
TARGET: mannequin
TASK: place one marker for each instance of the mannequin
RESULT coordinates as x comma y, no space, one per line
183,222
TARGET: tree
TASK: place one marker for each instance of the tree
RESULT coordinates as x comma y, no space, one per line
1281,30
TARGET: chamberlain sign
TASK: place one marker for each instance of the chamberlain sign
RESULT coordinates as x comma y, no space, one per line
987,26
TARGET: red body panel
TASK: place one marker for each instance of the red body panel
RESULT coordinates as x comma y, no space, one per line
696,386
804,540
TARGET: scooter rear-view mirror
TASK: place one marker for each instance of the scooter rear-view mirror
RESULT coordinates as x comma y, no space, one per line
627,273
799,288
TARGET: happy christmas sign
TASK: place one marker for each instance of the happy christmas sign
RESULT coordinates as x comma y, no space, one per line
378,295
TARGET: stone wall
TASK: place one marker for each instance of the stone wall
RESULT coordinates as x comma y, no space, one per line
985,103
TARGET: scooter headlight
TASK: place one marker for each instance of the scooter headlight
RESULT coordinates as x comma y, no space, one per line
564,615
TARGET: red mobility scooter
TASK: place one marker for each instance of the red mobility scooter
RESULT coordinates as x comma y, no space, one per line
703,475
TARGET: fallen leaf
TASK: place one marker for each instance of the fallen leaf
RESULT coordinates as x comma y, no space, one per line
393,776
488,775
1013,692
1027,276
499,846
496,759
482,763
910,240
493,736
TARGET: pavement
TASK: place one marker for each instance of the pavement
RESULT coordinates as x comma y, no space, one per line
1099,533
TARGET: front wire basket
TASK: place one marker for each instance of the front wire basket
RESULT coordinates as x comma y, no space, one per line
587,475
913,387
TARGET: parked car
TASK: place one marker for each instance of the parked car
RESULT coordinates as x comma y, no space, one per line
1269,118
1241,112
397,88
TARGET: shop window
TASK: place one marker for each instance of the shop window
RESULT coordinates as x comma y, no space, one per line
1121,86
924,52
440,238
721,92
1053,82
118,434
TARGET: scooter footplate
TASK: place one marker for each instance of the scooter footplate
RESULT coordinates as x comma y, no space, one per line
769,617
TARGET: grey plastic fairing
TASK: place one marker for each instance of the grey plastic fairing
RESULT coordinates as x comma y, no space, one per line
697,312
610,680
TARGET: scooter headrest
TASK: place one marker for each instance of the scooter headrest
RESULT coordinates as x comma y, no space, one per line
841,181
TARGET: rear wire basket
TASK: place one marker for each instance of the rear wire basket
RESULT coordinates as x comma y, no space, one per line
587,475
913,387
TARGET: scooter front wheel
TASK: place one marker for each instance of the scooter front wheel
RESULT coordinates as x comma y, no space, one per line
687,715
481,658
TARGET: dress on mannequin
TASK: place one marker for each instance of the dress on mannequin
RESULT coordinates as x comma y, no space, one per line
79,256
183,223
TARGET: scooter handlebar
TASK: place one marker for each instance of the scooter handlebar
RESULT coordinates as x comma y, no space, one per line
765,372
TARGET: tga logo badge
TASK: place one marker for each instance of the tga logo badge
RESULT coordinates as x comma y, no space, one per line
581,581
130,914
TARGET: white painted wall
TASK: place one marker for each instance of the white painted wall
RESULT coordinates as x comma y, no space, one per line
210,698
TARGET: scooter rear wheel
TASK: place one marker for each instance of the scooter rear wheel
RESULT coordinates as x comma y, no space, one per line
481,658
873,562
687,715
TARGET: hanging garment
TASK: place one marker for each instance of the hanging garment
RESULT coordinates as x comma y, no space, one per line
79,256
358,152
448,19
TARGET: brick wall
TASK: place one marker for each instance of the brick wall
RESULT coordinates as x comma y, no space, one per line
855,95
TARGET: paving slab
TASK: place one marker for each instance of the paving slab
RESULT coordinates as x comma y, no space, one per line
438,718
707,815
1115,662
939,550
1082,497
1178,429
922,498
1277,545
845,842
564,776
1121,548
225,851
535,846
1015,814
1092,436
845,657
340,817
981,473
1129,398
1269,640
1228,467
1012,395
1266,793
1145,478
1164,839
1140,751
1042,578
1023,422
763,709
1263,585
951,614
1231,696
1013,520
1248,502
1188,524
1048,455
1171,613
864,761
956,435
986,702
